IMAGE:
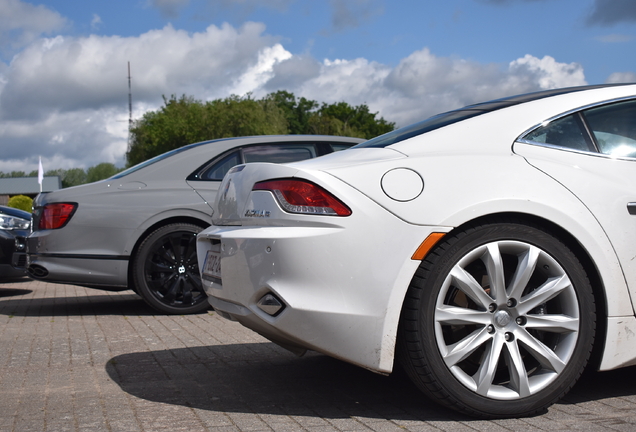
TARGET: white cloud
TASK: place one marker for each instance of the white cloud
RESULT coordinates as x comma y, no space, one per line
615,38
257,75
68,74
21,23
423,84
622,77
66,98
547,72
96,22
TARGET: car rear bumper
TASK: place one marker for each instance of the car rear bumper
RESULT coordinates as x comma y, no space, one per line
336,295
109,273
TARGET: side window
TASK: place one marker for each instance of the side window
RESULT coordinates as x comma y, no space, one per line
336,147
614,128
279,153
220,168
565,132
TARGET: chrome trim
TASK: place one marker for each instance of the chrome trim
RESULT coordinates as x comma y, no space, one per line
81,256
587,153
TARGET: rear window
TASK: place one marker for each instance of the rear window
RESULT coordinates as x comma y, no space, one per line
273,153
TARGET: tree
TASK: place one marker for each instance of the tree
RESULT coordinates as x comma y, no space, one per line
101,171
13,174
73,177
308,117
69,177
186,120
297,111
356,121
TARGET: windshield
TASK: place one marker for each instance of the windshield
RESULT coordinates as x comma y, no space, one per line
450,117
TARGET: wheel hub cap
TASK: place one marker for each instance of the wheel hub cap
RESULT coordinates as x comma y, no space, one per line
502,318
181,269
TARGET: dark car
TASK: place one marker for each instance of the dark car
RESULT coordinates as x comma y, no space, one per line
15,226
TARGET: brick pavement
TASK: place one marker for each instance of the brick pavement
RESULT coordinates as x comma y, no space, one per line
76,359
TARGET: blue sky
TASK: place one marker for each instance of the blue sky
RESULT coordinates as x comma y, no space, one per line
63,63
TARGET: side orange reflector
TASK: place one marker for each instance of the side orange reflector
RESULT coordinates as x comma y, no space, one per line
427,245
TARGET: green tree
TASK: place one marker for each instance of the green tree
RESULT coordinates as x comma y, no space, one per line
69,177
101,171
308,117
15,174
351,120
73,177
297,111
186,120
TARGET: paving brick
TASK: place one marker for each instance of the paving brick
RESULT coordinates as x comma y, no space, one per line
78,359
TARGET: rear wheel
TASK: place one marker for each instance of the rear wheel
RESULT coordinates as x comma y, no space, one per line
166,271
498,321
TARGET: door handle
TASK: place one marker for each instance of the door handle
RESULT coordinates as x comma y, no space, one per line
631,208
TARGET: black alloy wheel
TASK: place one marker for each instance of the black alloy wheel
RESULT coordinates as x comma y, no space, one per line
166,270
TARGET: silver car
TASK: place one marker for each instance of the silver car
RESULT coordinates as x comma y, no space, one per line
137,230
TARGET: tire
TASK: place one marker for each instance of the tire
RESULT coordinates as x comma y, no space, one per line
509,348
166,271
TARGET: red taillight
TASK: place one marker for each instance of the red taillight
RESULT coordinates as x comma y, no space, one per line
56,215
300,196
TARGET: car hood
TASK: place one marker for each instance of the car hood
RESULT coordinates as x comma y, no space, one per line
15,212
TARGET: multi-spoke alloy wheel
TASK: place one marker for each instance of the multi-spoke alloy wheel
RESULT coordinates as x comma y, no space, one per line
498,321
166,270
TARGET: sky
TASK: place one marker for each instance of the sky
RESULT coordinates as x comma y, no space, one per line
64,63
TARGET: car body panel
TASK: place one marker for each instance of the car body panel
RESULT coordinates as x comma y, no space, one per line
116,214
605,186
469,170
320,293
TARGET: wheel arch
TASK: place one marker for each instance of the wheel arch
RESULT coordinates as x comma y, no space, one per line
153,227
589,265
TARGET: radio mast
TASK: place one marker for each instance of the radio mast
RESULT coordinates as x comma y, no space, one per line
129,100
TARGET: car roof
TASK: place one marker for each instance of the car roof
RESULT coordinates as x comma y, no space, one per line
470,111
224,144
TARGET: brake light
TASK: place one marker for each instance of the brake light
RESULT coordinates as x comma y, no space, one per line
301,196
56,215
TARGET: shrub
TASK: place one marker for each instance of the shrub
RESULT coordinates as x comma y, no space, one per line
21,202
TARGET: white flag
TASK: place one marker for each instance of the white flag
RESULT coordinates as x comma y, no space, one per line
40,173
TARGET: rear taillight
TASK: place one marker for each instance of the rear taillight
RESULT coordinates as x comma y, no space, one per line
301,196
56,215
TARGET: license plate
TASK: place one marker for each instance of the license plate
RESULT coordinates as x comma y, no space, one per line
212,265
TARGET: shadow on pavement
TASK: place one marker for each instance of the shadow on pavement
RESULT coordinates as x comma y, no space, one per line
263,379
594,386
12,292
123,304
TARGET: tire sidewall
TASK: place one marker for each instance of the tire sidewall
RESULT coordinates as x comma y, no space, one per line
448,255
139,271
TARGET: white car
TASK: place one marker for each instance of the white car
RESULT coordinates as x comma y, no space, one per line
490,250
